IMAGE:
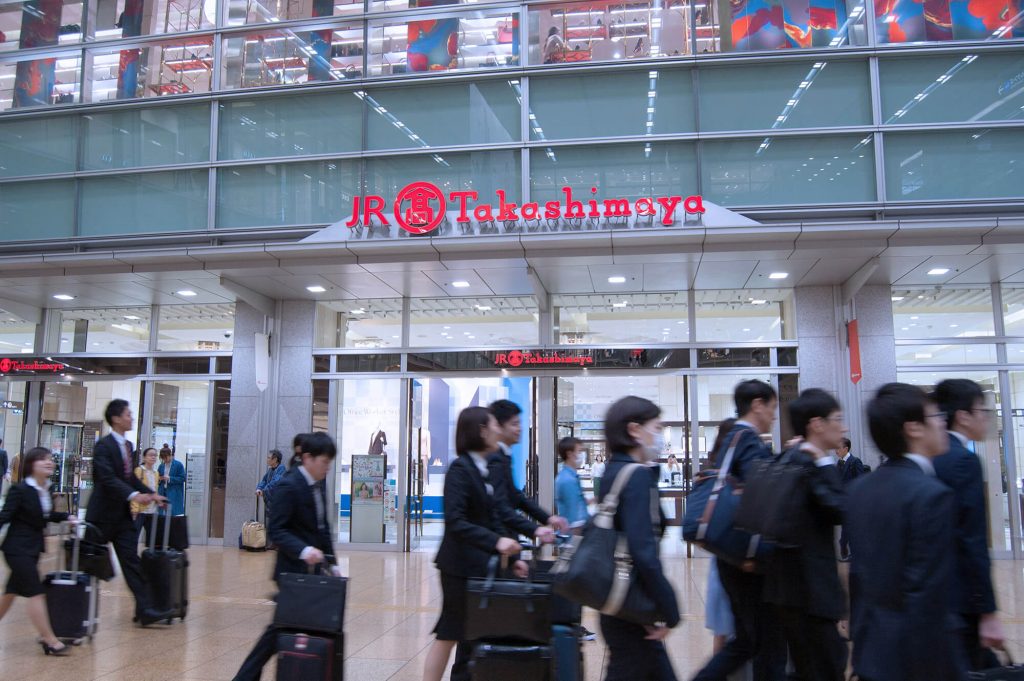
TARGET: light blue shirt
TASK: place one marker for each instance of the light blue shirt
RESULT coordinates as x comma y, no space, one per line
569,497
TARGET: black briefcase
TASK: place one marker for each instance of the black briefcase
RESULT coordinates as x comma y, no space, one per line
506,609
492,662
93,558
314,603
1011,672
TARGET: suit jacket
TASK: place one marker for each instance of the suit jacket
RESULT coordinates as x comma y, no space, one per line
901,539
508,495
377,442
294,526
4,463
971,591
853,469
472,522
108,504
749,448
640,519
24,512
806,577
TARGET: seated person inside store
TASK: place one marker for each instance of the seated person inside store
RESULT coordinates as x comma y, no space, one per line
301,531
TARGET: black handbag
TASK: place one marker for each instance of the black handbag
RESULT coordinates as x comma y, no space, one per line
313,603
597,570
93,554
507,610
1010,672
773,500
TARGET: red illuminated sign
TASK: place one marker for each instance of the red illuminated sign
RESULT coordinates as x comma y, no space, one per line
12,366
518,358
420,207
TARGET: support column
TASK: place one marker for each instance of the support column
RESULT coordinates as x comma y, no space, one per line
872,308
820,352
546,441
292,361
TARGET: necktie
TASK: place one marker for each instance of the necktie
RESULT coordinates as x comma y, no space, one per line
842,465
319,501
127,459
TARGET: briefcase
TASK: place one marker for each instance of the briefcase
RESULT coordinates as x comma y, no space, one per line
313,603
1011,672
506,609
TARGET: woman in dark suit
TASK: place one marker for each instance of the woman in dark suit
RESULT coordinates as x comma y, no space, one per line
633,432
472,534
28,508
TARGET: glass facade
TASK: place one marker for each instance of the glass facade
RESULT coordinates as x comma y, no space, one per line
322,92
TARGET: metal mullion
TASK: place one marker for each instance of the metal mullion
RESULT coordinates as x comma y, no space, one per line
1010,462
947,340
869,22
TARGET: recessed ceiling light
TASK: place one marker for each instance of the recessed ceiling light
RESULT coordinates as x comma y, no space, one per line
778,275
132,317
315,289
447,327
64,296
683,322
897,299
359,310
746,329
470,337
483,308
759,302
937,271
187,293
394,336
616,280
915,317
460,284
954,326
624,303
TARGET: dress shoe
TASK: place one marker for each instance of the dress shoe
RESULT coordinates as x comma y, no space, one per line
56,652
152,616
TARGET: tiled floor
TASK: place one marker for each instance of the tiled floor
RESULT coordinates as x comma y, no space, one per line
393,604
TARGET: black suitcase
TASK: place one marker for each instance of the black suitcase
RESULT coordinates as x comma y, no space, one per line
494,662
166,573
563,611
304,657
72,600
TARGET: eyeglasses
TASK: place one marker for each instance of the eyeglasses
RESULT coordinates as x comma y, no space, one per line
985,410
936,415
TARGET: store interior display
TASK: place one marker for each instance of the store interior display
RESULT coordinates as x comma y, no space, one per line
444,44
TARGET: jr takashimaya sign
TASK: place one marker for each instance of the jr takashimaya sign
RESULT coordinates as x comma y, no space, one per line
421,207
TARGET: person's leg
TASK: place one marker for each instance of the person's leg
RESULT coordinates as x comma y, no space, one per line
745,600
460,667
629,657
801,643
126,547
769,643
265,648
844,543
437,660
40,619
6,601
662,667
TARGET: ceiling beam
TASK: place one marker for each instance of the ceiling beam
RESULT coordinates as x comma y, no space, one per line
30,313
857,280
259,301
540,292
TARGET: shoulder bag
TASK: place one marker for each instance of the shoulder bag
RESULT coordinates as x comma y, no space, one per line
597,569
773,501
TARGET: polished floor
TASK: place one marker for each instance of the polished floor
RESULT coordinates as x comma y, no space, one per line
393,603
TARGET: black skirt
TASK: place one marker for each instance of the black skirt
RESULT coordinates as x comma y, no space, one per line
24,579
452,623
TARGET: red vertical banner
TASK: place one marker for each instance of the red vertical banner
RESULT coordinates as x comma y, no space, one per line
853,340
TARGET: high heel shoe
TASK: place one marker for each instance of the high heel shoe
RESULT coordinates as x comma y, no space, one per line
57,652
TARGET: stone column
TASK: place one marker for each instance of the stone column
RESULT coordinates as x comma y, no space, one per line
873,310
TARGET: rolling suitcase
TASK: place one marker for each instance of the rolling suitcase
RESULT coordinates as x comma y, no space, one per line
72,599
166,573
254,533
494,662
303,657
567,653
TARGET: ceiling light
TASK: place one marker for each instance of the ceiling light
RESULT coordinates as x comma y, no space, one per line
759,302
915,317
447,327
460,284
778,275
897,299
746,329
483,308
64,296
616,280
937,271
132,317
359,310
315,289
624,303
471,337
954,326
123,327
187,293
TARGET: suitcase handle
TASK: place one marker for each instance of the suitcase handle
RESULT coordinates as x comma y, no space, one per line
79,530
167,529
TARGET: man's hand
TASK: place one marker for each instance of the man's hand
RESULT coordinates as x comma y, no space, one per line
559,523
990,631
259,493
520,569
144,499
314,556
657,633
160,500
336,571
545,534
507,547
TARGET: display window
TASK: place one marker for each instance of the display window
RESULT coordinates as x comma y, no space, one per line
372,323
176,67
196,328
613,31
40,81
626,318
17,336
105,330
131,18
439,43
270,11
755,25
747,315
942,313
40,23
907,21
293,57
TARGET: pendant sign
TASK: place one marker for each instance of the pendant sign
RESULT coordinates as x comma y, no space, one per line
31,366
853,339
420,207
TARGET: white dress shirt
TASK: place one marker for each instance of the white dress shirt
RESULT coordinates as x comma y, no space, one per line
44,494
122,441
924,462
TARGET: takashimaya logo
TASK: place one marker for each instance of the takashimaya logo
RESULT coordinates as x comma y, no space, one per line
421,206
518,358
8,365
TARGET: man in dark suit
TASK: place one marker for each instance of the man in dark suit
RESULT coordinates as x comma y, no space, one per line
758,636
901,537
969,418
850,468
300,528
803,582
114,486
4,463
499,465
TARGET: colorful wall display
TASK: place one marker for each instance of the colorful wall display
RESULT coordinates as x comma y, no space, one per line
784,24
